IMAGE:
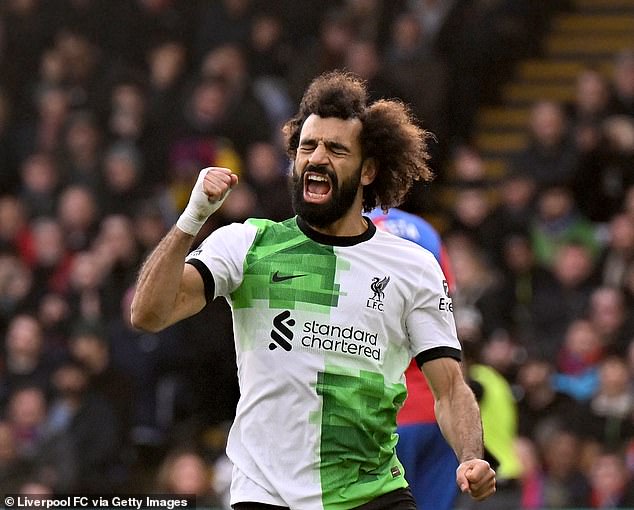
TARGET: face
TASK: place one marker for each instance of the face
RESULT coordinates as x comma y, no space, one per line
328,172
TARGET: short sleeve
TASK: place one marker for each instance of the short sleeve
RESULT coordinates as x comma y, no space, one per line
430,321
221,257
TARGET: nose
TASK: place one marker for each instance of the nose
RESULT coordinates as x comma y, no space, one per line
319,156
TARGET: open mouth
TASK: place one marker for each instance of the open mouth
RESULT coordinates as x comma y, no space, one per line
317,187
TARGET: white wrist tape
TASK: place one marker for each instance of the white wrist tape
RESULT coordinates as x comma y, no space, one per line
199,207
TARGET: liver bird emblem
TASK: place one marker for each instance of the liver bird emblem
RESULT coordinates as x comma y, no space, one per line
378,286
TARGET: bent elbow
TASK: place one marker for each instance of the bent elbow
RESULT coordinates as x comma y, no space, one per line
144,321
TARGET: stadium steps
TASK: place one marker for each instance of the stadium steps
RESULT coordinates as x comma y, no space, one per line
590,34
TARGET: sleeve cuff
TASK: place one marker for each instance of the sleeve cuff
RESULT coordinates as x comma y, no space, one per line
438,352
208,279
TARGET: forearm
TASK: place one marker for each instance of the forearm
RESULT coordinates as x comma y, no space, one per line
458,416
159,280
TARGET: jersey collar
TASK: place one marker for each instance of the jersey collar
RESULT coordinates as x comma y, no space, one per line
320,238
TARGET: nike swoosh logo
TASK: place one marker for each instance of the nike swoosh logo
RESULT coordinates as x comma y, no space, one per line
276,277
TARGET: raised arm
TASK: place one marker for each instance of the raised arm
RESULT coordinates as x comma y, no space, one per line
167,289
458,416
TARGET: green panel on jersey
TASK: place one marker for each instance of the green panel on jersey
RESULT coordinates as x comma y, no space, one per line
357,463
305,270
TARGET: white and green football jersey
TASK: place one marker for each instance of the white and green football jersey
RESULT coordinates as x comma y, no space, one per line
324,327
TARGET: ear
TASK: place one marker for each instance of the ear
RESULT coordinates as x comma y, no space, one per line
368,171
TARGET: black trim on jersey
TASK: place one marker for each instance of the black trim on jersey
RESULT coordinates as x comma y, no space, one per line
320,238
399,499
438,352
208,279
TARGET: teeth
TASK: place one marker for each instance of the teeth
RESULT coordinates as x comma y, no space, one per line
320,178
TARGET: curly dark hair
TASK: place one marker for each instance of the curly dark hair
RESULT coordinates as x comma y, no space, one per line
390,135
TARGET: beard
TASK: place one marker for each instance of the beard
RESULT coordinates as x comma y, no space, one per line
342,196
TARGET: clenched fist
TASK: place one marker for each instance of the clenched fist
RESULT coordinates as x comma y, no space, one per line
477,478
211,188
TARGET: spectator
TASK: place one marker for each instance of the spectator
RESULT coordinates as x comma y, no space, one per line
49,457
420,73
523,283
26,412
363,59
81,150
26,360
122,179
610,483
46,131
609,415
138,355
578,361
557,221
540,405
51,259
466,166
603,180
148,20
26,29
54,314
85,289
532,474
477,284
91,425
53,70
78,215
118,252
224,22
16,288
246,117
186,472
564,485
612,319
550,156
13,469
40,185
82,65
431,15
167,62
150,225
201,142
589,109
88,345
266,172
513,213
269,50
623,83
327,52
562,299
127,113
470,216
168,66
15,230
617,257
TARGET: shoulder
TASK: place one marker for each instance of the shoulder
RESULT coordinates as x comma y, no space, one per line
402,248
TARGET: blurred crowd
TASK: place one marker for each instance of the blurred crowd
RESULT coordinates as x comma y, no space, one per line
108,110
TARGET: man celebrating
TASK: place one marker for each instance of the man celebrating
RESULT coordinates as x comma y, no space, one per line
321,351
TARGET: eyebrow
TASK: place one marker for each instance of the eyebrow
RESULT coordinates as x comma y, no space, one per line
330,144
